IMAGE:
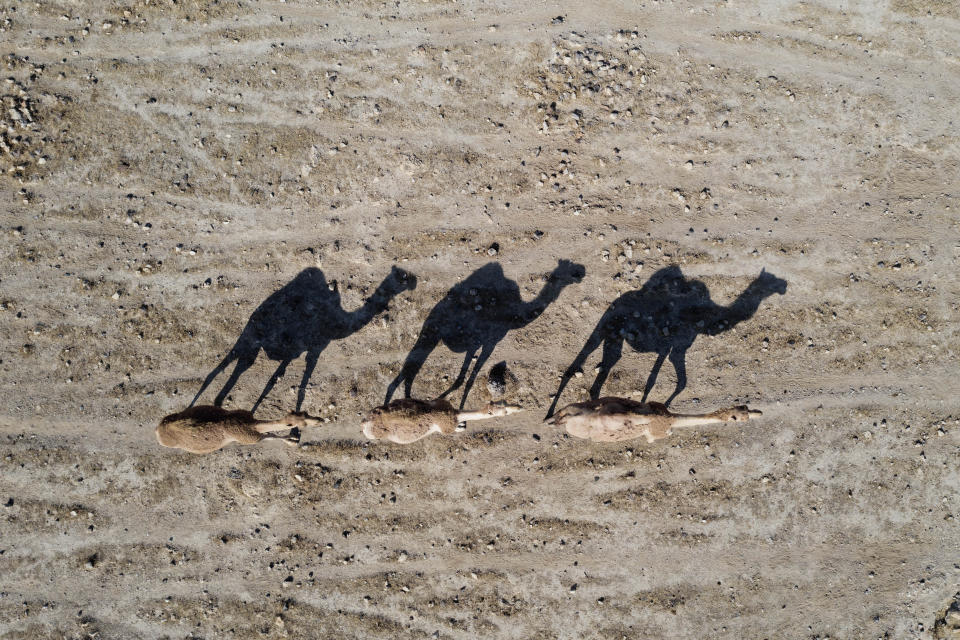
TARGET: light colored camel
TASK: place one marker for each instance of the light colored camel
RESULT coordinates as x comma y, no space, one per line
612,419
205,428
408,420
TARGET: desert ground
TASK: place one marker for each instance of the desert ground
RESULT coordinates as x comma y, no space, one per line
227,195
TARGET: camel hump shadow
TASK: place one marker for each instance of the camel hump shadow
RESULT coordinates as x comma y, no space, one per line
474,316
665,316
301,318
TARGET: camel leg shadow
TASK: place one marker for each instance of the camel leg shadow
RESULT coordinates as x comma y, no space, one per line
485,352
593,343
678,358
220,368
464,368
243,363
612,352
311,364
411,366
652,378
281,369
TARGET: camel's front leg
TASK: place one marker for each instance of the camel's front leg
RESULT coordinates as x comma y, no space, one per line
485,352
612,351
311,363
652,378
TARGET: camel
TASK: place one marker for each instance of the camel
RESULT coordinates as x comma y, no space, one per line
665,316
476,315
408,420
205,428
612,419
301,318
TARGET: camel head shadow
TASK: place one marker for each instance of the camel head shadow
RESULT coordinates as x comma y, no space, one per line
665,317
474,316
301,318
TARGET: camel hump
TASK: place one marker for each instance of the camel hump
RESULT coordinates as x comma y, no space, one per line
204,414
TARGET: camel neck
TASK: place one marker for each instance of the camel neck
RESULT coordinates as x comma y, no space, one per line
681,420
534,308
373,305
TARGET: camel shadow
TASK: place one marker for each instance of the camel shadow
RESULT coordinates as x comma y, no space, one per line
303,317
475,316
665,316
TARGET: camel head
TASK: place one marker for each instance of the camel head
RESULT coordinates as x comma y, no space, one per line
567,272
297,419
400,280
768,284
740,413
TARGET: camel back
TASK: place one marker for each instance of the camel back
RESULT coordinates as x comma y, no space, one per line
202,427
409,416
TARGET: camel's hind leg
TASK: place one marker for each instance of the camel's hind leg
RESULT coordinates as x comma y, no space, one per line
612,350
244,362
424,346
467,360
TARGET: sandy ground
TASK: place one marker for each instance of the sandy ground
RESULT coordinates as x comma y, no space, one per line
168,166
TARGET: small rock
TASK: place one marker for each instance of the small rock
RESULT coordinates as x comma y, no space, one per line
497,379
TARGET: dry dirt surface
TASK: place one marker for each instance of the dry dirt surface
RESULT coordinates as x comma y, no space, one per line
210,191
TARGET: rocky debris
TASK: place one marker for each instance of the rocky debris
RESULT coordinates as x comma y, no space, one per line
499,378
21,136
947,625
607,78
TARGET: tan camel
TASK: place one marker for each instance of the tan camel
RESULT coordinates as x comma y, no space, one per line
205,428
408,420
612,419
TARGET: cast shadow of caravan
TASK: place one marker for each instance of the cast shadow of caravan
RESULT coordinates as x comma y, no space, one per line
302,318
475,316
665,316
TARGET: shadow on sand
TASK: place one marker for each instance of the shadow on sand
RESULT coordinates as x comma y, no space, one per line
665,316
475,316
301,318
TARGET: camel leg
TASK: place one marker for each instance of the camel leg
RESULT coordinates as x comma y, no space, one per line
291,438
593,342
467,359
485,352
652,378
272,381
612,350
311,363
411,366
243,363
271,426
678,358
